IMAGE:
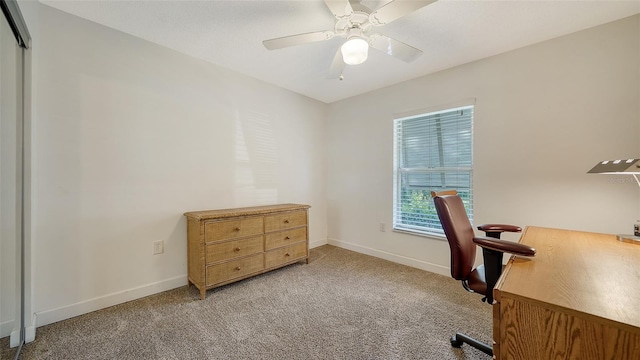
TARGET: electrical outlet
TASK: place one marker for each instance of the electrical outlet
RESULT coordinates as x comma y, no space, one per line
158,247
383,228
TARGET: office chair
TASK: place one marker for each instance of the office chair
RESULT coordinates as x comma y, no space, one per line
462,242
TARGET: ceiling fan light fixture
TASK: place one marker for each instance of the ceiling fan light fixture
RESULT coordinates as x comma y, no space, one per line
355,50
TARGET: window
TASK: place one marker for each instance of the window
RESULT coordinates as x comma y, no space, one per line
432,152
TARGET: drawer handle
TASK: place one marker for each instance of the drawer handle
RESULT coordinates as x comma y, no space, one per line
236,229
286,221
287,238
236,249
237,268
287,254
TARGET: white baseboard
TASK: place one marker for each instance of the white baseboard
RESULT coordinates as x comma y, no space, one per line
30,331
400,259
314,244
14,339
6,328
62,313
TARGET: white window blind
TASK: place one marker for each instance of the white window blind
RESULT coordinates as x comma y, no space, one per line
432,152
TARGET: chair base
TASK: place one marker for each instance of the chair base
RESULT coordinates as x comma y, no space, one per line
458,339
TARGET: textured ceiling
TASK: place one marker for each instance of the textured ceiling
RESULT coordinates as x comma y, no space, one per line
450,33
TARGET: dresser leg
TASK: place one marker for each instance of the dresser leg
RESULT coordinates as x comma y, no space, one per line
203,294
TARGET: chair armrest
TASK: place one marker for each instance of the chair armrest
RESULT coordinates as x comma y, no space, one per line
505,246
499,228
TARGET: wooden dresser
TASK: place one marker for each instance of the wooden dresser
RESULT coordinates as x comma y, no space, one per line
228,245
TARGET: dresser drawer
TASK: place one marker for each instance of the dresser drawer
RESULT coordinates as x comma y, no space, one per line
233,249
231,229
234,269
286,237
284,255
285,220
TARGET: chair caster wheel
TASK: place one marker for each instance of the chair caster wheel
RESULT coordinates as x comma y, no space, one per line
455,342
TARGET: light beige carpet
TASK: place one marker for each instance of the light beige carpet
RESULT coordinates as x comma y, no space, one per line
342,305
7,353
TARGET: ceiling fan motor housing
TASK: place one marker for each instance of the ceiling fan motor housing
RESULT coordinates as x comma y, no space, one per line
354,24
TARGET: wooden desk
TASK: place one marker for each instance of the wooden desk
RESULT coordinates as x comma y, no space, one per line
579,298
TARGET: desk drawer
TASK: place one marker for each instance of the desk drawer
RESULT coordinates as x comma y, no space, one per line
233,249
234,269
232,229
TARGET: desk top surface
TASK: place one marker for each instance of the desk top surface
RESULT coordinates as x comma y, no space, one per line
583,272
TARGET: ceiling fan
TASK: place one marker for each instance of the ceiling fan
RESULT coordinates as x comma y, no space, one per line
353,22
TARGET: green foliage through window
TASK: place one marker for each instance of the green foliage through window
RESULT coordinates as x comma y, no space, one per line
433,152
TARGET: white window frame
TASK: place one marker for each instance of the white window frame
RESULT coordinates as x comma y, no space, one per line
430,223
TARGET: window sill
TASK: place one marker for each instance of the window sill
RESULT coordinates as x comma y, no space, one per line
426,234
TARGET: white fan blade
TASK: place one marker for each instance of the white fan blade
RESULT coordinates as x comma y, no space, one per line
283,42
395,10
339,8
337,66
394,47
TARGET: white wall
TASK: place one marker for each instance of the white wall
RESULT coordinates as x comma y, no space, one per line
128,136
545,114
